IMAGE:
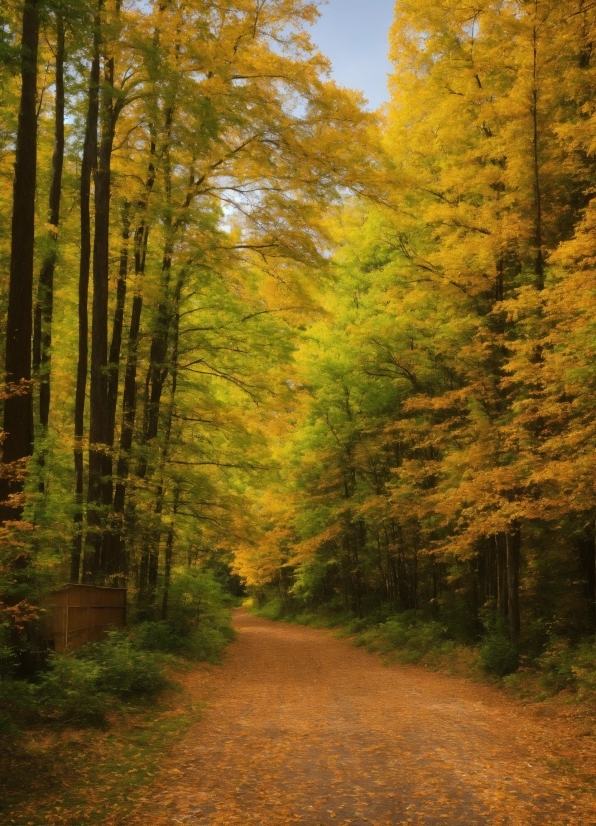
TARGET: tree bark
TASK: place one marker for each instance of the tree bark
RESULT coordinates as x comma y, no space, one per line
150,554
117,325
114,565
99,486
18,406
88,164
129,394
501,555
513,565
45,302
44,309
169,555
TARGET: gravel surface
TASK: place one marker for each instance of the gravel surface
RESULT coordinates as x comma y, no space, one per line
303,728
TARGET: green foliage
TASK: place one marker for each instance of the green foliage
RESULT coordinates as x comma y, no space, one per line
79,689
154,636
125,671
565,666
16,708
557,666
273,609
413,637
198,616
72,692
497,654
196,598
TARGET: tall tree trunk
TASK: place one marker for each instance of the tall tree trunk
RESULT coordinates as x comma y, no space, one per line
99,487
129,394
513,565
42,326
169,555
88,164
158,367
18,407
150,553
113,563
117,325
501,555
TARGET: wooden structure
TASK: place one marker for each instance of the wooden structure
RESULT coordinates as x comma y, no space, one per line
83,613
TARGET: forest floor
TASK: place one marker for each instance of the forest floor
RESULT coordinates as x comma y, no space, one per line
303,728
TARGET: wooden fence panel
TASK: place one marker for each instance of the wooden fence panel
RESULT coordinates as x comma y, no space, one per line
83,613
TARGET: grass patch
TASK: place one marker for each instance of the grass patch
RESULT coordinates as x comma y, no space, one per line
80,777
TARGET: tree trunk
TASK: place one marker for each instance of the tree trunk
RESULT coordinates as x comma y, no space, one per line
117,326
150,553
18,407
513,565
42,336
114,564
42,322
169,555
129,395
158,368
88,164
501,555
99,487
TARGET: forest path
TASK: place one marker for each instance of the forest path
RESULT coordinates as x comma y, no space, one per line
303,728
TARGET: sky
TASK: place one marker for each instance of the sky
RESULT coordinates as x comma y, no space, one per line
354,36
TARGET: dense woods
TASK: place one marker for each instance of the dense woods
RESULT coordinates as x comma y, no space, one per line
342,359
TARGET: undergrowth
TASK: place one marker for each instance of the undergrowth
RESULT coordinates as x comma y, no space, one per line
80,741
74,776
128,669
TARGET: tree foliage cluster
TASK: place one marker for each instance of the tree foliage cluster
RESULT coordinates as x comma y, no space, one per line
441,447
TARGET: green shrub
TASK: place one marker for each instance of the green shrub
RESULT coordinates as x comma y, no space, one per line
124,671
70,692
207,643
564,666
154,636
413,635
16,707
497,654
584,666
274,609
80,688
357,625
196,598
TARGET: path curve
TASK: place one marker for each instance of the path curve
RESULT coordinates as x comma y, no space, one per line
303,728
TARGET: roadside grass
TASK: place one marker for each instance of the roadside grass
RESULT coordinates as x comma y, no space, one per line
77,776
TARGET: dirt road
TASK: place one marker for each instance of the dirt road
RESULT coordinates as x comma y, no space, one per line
303,728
